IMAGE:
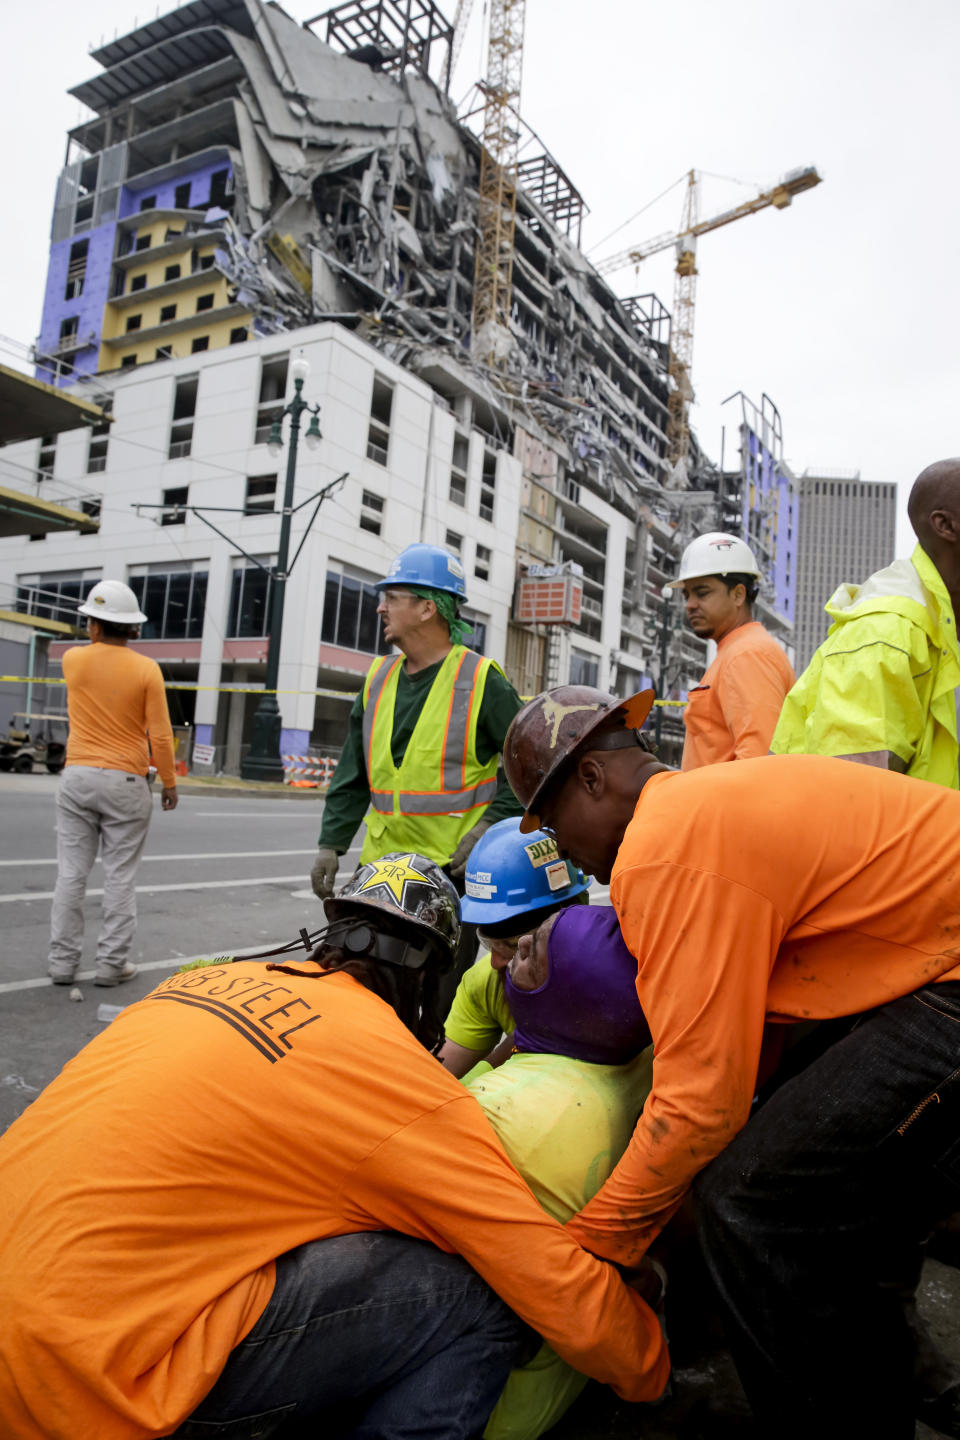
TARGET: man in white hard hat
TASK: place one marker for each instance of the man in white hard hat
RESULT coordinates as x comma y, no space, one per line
118,718
732,713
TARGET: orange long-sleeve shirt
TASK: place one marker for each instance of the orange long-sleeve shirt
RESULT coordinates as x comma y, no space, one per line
790,888
233,1114
115,699
733,712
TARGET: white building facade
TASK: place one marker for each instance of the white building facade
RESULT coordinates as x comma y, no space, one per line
419,465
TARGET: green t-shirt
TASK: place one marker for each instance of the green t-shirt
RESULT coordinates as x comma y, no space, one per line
479,1014
564,1124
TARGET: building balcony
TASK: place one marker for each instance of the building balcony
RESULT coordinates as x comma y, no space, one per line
132,338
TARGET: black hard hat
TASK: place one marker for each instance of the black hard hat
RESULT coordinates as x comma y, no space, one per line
403,893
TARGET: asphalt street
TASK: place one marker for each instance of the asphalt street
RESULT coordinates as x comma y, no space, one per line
219,874
226,873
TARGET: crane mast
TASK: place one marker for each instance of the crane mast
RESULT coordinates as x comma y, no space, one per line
685,292
497,206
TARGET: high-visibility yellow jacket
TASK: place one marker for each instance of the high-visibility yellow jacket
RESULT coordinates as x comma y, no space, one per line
886,676
440,789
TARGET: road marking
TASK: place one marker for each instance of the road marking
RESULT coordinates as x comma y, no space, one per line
39,982
249,814
243,881
204,855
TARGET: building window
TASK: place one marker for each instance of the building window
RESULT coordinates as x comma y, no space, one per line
204,302
164,352
206,262
218,187
458,469
172,272
167,312
97,449
250,597
202,342
54,597
273,388
184,409
350,616
481,565
149,202
261,494
143,242
176,499
238,335
68,328
138,282
378,435
46,457
76,270
477,637
371,512
181,197
128,362
170,234
488,484
584,669
453,541
133,322
173,601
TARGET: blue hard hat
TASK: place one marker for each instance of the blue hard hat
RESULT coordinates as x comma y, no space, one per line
509,874
429,566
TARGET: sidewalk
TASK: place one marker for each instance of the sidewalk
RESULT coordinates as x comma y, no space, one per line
40,781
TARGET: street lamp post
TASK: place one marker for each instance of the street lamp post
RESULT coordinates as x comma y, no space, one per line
263,760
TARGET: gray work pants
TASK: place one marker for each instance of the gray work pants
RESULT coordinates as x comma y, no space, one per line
110,809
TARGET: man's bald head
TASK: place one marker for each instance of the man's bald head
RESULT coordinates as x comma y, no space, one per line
934,497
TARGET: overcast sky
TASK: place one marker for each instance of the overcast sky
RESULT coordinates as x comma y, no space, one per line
843,308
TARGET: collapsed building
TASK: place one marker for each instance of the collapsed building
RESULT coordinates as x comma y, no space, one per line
243,176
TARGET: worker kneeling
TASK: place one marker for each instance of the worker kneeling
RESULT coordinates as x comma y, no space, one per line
234,1209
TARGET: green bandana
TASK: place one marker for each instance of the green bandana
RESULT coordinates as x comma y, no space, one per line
447,610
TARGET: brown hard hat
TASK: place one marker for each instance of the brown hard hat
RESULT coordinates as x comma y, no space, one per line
545,733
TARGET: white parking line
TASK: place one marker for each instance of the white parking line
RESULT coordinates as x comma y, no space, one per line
249,814
201,855
243,881
40,981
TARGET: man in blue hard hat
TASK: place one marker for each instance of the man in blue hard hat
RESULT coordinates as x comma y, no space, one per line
425,734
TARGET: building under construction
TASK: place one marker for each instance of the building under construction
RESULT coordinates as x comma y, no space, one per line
244,177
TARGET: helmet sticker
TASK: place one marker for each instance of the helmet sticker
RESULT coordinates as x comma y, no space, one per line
558,876
541,852
722,544
454,566
392,875
479,891
553,714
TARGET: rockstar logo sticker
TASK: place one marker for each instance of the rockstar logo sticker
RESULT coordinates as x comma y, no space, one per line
392,875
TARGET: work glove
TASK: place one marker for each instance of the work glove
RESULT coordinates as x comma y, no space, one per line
458,860
324,873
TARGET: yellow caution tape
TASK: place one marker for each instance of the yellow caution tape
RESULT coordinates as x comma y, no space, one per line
249,689
186,685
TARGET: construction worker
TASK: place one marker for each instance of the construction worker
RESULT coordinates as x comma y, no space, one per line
732,713
117,708
778,890
513,882
236,1205
883,686
424,736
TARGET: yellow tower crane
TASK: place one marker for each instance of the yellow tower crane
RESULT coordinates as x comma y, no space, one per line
497,207
685,290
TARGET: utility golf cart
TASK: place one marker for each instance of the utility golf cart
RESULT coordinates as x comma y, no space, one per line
34,738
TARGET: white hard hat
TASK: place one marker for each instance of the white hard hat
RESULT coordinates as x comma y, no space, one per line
114,602
715,554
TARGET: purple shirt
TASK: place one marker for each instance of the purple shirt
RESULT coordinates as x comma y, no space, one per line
587,1007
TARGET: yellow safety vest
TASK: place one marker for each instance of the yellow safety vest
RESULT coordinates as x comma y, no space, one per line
440,790
885,678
